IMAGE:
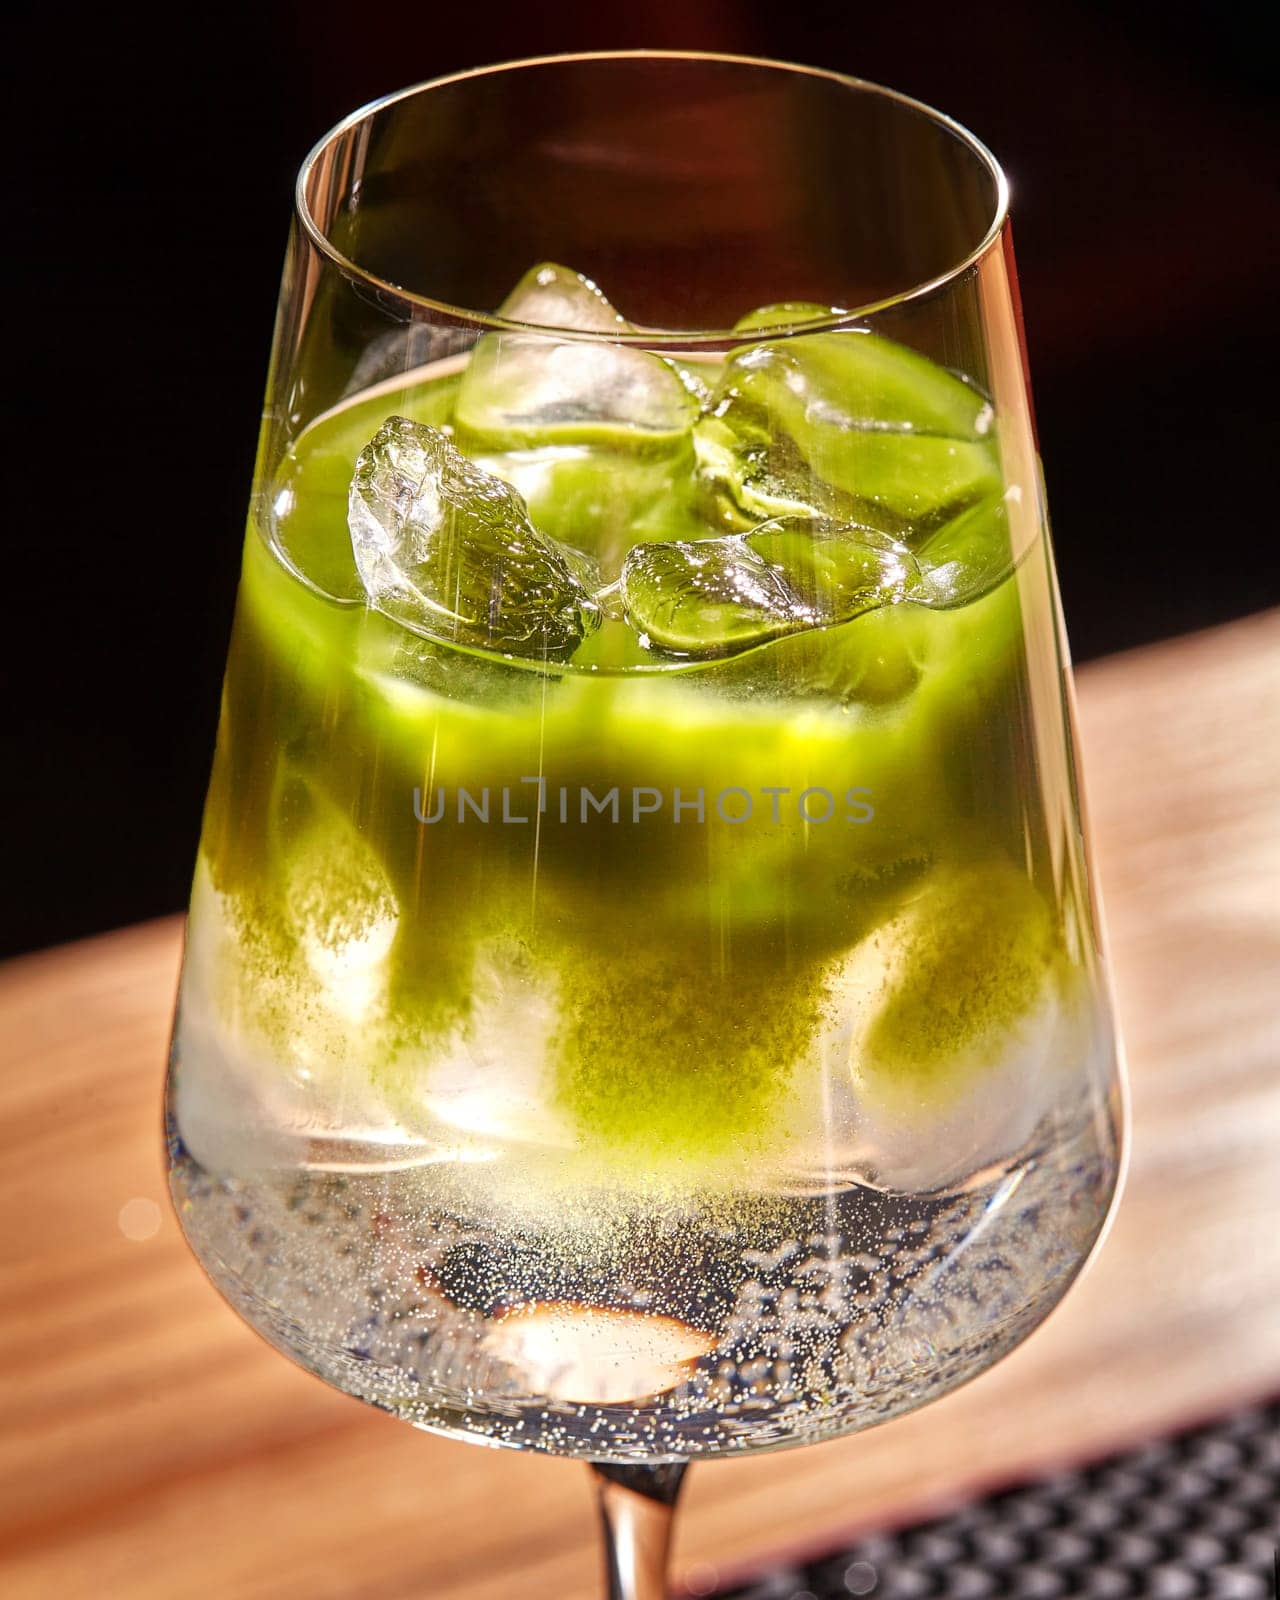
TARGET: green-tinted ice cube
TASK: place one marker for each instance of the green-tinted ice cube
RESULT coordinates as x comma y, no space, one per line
449,550
968,556
973,960
783,314
714,597
847,423
551,296
523,390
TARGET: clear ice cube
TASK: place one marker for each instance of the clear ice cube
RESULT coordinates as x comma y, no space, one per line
449,550
522,390
715,597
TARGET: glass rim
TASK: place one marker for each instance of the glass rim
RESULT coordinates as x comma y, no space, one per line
649,337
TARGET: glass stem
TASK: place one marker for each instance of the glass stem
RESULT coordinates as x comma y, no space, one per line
636,1509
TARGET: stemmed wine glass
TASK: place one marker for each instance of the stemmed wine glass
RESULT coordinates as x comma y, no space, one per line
642,997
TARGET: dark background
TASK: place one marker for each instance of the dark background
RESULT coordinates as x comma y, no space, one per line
153,161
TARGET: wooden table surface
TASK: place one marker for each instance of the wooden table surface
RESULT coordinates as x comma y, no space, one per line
153,1447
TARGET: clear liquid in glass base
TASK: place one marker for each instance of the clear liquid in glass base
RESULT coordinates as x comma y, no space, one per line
610,1325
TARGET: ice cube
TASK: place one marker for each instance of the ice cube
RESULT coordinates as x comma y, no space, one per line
785,314
449,550
967,556
522,390
550,296
342,913
969,1008
715,597
488,1078
847,424
281,1014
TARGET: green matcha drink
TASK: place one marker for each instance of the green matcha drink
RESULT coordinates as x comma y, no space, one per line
636,999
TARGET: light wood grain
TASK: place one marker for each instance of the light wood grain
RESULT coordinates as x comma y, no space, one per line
153,1447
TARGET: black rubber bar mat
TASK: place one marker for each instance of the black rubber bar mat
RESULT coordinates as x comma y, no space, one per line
1195,1515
